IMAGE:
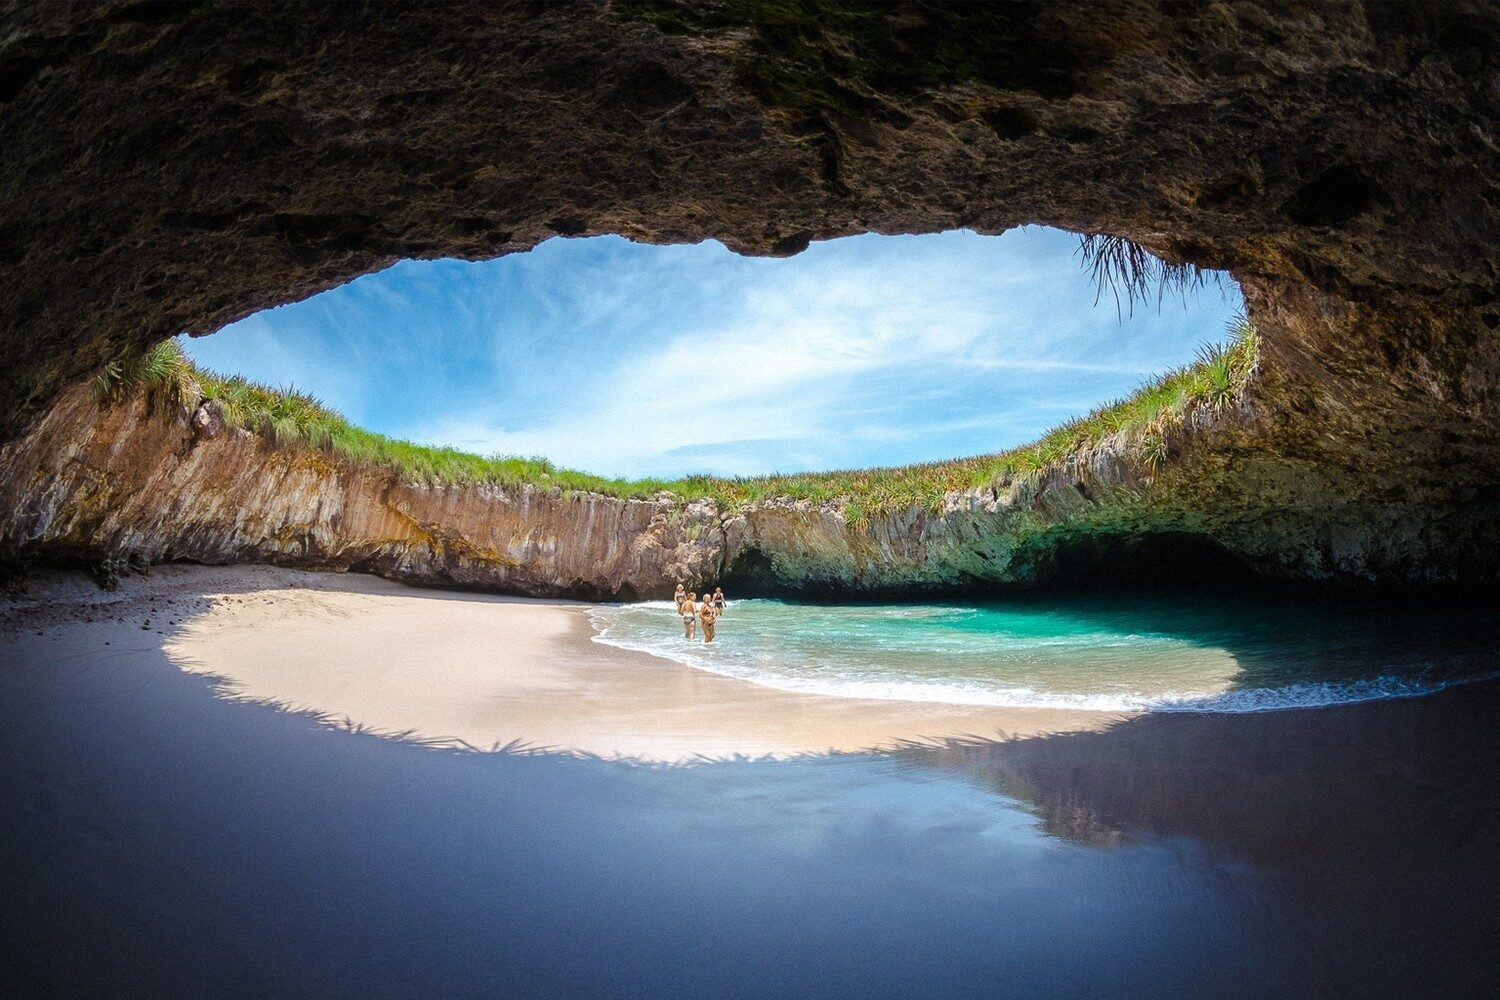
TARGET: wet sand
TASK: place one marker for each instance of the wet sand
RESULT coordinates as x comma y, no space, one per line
483,671
159,839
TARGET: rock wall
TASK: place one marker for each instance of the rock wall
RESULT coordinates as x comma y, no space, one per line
171,167
142,482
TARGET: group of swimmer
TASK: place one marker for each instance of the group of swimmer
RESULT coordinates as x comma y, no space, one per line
708,611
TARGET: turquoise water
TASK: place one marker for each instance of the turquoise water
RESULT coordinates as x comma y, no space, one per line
1170,652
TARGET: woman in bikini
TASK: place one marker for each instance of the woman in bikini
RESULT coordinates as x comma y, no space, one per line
689,611
718,602
678,596
710,615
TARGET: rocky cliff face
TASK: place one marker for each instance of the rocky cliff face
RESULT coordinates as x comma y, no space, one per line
132,481
140,482
172,167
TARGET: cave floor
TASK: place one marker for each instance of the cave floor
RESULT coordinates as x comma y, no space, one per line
160,840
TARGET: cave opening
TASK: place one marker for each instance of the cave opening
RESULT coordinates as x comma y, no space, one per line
280,156
171,168
637,363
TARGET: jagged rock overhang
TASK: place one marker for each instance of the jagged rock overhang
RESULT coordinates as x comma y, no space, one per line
173,167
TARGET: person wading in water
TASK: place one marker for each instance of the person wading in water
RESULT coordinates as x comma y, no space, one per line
718,602
678,596
689,611
710,615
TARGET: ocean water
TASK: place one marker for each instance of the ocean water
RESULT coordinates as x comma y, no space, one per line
1206,652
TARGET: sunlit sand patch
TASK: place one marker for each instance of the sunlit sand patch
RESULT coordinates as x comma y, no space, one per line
483,671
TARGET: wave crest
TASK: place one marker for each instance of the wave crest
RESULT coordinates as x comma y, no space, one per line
1295,695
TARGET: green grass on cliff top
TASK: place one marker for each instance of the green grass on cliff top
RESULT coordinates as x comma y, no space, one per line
291,419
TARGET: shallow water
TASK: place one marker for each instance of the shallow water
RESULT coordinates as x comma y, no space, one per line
1172,651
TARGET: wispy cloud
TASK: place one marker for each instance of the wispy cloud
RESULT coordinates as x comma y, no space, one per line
635,360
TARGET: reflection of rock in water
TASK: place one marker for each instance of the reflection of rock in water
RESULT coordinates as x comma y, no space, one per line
1392,795
1378,819
1065,811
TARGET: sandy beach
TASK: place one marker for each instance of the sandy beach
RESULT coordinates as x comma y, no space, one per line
164,827
476,670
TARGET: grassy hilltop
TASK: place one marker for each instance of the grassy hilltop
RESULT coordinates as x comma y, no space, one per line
289,418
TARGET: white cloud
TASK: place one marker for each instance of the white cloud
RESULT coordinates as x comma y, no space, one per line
622,359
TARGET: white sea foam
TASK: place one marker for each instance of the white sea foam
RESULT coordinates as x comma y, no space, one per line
763,670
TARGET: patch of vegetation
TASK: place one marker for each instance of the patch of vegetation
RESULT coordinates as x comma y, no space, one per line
163,372
1129,269
1214,380
291,419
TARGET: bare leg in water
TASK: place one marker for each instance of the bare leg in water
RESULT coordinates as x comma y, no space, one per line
710,617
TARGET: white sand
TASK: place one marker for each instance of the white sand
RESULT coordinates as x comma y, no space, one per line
474,669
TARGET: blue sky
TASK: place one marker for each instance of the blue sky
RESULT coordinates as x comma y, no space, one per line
625,359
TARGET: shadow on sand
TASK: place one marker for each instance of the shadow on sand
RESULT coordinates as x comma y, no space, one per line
158,840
